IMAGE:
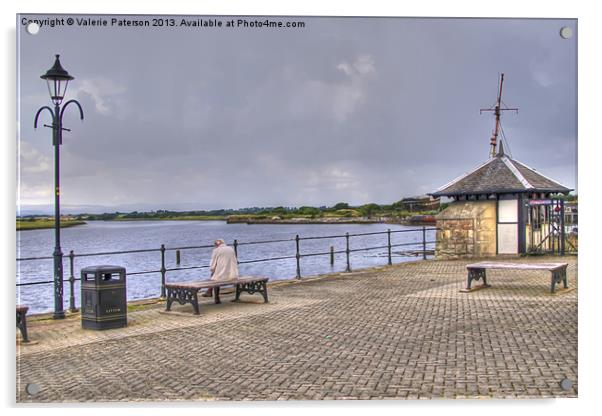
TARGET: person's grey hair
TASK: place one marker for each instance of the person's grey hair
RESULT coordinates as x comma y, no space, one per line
219,242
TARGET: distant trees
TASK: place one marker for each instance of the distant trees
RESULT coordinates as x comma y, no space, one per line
278,211
311,211
369,210
397,210
340,205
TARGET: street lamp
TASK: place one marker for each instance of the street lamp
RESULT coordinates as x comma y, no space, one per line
57,78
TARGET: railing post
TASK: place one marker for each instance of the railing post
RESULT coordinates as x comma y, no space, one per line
389,245
163,270
298,256
347,251
235,244
72,307
178,257
423,243
332,255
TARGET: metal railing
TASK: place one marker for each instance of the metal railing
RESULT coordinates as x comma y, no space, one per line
297,256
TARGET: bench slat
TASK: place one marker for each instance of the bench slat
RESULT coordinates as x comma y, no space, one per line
519,266
206,284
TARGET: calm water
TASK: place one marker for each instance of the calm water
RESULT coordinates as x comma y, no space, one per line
101,236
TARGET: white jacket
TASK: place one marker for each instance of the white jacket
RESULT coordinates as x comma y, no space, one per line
223,263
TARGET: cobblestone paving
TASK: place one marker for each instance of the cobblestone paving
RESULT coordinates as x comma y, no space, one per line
398,332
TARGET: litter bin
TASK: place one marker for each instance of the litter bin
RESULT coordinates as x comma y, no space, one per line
104,301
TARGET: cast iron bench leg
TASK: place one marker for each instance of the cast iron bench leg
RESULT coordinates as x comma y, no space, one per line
216,294
252,287
476,274
558,276
237,296
471,272
264,291
195,301
22,325
182,296
169,300
554,278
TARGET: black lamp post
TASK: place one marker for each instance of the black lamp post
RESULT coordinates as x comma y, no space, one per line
57,78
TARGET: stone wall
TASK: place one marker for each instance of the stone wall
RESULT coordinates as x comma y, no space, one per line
466,229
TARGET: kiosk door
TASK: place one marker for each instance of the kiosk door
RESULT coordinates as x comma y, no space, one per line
507,226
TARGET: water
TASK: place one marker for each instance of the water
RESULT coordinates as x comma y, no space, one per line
110,236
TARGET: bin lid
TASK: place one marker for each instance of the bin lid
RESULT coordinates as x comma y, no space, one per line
103,269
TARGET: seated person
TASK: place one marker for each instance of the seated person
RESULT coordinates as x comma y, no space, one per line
224,265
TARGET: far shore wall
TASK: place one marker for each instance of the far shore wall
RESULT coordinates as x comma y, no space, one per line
466,229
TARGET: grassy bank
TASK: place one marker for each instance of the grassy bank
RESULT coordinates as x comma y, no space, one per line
39,224
175,218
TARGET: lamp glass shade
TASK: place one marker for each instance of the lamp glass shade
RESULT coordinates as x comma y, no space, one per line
57,89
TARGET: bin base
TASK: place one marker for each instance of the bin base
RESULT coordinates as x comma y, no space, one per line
99,326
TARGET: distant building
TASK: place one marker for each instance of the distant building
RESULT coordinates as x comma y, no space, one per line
420,203
501,207
571,212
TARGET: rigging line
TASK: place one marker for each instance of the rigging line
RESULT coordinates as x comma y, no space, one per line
505,140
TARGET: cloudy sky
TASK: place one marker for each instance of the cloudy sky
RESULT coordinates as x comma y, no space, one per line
345,109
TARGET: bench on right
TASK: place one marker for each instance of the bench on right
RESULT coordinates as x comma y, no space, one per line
477,271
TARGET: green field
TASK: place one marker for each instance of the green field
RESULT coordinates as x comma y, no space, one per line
38,224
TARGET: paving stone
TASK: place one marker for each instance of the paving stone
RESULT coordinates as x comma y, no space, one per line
397,332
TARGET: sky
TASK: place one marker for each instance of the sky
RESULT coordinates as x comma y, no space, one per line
354,110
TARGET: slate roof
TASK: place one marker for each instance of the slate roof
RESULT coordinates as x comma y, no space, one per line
500,175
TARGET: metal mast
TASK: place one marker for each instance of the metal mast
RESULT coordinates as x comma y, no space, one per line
497,110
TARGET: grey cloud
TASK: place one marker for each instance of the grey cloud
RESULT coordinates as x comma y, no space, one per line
357,110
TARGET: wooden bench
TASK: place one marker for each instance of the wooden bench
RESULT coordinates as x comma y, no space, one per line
477,271
22,322
187,292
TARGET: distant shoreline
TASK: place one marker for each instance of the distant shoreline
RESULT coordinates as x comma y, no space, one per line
335,220
305,221
417,220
